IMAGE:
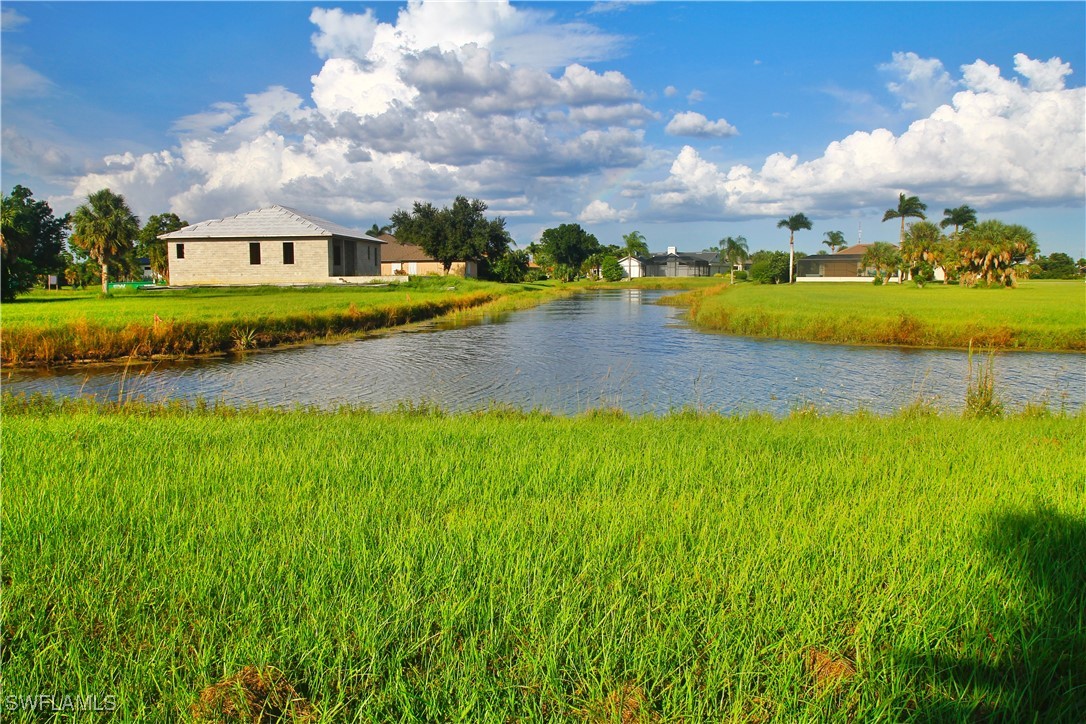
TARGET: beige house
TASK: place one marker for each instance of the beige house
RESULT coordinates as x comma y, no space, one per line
400,259
274,245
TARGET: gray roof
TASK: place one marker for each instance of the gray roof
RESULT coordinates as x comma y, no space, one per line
271,222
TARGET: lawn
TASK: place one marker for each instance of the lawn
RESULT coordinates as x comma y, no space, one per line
1038,315
506,566
74,326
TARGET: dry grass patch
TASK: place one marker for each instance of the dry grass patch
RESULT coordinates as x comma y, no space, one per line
253,695
827,671
628,704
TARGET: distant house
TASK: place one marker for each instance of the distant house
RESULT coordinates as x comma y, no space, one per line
844,266
398,258
673,263
273,245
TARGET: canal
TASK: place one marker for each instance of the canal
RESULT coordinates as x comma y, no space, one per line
613,348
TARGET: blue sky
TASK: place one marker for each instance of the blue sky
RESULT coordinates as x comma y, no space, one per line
686,121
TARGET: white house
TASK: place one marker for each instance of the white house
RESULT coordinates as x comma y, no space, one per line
273,245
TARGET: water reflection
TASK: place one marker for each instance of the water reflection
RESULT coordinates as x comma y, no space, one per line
615,348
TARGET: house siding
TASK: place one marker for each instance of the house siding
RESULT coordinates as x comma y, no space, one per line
222,261
458,268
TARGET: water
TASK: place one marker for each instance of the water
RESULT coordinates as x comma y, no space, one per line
611,348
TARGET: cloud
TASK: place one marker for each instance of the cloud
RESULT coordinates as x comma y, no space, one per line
20,80
11,19
690,123
1042,76
601,212
696,96
25,154
446,100
922,84
670,91
997,143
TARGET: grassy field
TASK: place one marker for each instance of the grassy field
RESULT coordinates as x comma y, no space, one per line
1038,315
74,326
505,566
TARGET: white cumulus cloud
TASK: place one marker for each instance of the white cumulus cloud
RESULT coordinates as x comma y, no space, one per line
479,98
922,84
997,142
690,123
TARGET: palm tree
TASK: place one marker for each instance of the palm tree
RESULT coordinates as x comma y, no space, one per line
963,217
793,223
104,227
835,239
635,246
907,206
376,230
881,257
990,250
734,250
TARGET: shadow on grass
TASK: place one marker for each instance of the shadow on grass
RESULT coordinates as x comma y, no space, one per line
1039,673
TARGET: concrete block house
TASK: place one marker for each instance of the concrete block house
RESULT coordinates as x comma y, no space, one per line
273,245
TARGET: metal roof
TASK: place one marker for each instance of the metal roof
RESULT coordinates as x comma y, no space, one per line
272,222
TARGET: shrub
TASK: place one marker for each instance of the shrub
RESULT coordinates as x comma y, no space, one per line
740,275
611,270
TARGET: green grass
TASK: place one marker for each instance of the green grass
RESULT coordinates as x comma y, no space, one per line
74,326
504,566
1038,315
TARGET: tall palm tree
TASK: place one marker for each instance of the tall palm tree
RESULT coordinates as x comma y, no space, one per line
104,227
735,250
907,206
376,230
835,239
963,217
635,246
793,223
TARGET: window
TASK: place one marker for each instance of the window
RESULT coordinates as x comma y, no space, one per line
288,252
367,251
180,251
337,255
254,252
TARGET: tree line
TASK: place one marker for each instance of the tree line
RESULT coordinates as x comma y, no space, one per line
104,240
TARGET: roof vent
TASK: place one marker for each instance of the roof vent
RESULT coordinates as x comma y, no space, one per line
671,250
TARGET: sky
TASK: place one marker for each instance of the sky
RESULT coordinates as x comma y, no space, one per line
686,121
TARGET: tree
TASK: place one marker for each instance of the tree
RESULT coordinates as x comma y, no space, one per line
610,269
793,223
1056,265
150,246
924,245
990,250
835,240
881,257
566,247
459,233
734,250
376,230
769,267
907,207
104,227
31,241
963,217
510,268
635,244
